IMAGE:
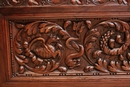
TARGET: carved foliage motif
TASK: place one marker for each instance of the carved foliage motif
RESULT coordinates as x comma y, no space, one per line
110,53
62,2
44,47
39,46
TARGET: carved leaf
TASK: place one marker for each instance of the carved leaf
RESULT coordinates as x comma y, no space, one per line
15,1
119,25
31,28
89,46
21,69
112,43
97,53
48,29
81,29
54,65
78,28
19,26
101,1
74,26
76,2
43,67
19,51
118,39
32,2
128,55
88,69
101,65
62,69
126,65
121,57
114,67
48,67
88,23
91,36
21,62
66,24
43,27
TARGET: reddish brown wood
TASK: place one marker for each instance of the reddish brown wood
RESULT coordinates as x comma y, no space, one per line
61,43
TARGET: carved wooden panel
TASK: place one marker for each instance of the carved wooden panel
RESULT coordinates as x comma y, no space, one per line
70,47
61,43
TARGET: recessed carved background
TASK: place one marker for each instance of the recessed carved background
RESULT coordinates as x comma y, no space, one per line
70,47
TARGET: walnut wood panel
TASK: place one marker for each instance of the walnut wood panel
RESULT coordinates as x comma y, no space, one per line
75,43
84,45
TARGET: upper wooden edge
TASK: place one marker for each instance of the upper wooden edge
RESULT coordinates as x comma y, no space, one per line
62,6
62,9
62,2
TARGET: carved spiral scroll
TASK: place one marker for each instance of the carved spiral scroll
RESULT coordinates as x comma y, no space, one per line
45,47
112,38
38,47
119,26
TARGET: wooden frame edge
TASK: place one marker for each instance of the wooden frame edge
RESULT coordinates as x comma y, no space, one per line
89,82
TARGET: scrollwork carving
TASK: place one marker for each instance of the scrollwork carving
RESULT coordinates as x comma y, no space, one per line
112,46
40,43
45,47
37,49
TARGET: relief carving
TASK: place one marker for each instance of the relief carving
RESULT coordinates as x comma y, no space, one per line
62,2
45,47
41,43
112,44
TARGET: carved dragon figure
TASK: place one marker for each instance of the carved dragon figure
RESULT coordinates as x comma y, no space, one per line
34,33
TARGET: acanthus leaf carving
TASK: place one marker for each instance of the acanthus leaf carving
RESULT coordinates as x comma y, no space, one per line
108,46
39,43
45,47
102,65
115,67
123,1
76,2
126,65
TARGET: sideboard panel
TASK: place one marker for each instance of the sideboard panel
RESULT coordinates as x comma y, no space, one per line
64,43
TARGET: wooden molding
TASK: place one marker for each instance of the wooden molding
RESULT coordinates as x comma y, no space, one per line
62,2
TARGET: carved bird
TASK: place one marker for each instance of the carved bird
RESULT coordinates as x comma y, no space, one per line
45,50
